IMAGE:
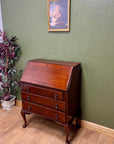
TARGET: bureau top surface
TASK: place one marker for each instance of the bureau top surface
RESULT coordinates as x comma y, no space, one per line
49,73
54,62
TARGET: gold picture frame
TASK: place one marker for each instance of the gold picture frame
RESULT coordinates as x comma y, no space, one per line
58,15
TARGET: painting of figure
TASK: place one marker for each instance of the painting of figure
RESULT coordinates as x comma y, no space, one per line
58,15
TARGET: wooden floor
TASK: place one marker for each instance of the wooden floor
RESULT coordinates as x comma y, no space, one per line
41,131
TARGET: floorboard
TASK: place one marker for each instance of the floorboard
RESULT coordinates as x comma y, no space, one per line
42,131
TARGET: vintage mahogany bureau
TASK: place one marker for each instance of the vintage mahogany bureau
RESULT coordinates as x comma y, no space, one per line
51,89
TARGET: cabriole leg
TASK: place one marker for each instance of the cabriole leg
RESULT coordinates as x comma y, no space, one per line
24,118
67,129
78,122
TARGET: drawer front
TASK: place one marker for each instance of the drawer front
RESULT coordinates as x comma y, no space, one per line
43,91
55,104
44,111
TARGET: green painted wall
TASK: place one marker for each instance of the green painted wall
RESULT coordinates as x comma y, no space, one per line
90,41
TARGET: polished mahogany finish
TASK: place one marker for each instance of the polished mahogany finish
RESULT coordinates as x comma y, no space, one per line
45,111
47,74
51,89
42,91
45,101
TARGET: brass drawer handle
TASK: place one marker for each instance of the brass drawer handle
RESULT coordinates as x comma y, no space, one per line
56,116
28,98
27,89
56,96
29,107
56,105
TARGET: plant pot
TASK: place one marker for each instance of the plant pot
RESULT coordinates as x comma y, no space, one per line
8,105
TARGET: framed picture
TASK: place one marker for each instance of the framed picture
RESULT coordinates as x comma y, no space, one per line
58,15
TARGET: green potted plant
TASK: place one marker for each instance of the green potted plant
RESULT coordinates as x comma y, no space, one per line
10,52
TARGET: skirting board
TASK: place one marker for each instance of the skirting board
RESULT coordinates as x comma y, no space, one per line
88,125
99,128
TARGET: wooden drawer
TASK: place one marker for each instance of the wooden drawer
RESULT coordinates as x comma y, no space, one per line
52,103
44,111
43,91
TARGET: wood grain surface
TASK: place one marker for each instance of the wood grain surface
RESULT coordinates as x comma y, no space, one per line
42,131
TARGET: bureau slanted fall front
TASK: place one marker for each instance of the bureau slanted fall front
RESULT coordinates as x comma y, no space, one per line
51,89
